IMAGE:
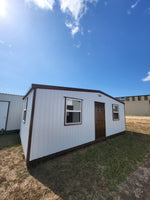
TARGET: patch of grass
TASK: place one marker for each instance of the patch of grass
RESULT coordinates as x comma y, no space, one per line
95,170
9,140
92,173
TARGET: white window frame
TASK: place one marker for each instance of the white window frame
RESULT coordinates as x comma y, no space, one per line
115,112
66,111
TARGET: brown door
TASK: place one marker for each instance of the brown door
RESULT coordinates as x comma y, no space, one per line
99,120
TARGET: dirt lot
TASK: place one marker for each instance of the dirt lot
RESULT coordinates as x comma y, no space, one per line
138,124
118,168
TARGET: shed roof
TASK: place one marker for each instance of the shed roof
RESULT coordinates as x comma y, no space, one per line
51,87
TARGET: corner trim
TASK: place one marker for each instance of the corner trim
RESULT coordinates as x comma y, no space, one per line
31,126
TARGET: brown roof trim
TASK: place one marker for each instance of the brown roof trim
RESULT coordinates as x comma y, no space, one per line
33,86
1,93
27,93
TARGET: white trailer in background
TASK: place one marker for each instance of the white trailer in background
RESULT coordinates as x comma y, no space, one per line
58,119
10,112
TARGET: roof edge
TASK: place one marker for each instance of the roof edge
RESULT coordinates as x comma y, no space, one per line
39,86
1,93
134,96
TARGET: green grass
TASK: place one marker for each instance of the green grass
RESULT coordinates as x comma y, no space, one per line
95,170
91,173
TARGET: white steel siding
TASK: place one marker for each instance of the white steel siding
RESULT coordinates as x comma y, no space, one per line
15,110
24,131
49,135
3,114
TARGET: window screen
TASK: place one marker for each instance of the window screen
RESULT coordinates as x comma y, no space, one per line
73,111
115,111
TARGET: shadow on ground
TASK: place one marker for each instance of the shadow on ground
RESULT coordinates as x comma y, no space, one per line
93,172
9,140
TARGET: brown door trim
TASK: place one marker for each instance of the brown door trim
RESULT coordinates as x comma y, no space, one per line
104,131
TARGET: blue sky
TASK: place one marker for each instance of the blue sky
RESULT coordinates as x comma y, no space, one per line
93,44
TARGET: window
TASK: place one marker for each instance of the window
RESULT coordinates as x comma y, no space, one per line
133,98
25,111
115,111
145,97
139,98
73,111
127,99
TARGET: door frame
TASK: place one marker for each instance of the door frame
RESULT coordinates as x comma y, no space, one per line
95,119
7,113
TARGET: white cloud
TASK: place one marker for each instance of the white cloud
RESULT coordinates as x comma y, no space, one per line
44,4
135,4
5,44
129,11
69,25
74,30
74,9
147,78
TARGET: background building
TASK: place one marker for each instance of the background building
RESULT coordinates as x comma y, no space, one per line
136,105
10,112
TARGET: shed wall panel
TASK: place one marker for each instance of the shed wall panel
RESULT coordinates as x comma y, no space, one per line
15,110
24,131
49,135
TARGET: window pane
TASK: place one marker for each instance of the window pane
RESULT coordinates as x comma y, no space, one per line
116,115
139,98
115,108
69,107
73,117
133,98
73,104
145,97
24,115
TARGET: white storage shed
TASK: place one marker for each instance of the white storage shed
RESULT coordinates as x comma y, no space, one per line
10,112
58,119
